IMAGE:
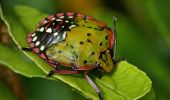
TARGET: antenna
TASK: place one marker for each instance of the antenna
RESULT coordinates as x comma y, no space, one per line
115,37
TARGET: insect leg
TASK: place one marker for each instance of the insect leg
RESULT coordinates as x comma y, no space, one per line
51,72
26,49
59,71
95,87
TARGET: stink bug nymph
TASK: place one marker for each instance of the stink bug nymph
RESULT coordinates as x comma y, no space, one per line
78,42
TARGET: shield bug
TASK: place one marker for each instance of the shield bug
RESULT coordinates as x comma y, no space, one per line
77,42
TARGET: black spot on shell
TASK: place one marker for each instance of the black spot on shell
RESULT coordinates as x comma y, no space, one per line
101,43
85,61
81,42
99,29
106,37
93,53
66,44
71,46
88,27
88,40
88,34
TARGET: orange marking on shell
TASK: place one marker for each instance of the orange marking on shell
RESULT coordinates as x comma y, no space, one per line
88,67
111,38
64,64
101,24
80,15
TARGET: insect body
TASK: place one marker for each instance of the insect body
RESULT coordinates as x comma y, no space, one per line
78,42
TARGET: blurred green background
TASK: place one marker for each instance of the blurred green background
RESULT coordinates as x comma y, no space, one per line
143,33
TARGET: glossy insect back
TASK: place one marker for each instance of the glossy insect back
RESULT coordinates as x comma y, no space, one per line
74,40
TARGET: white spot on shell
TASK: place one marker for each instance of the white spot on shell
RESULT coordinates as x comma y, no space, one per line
41,29
38,29
35,38
59,20
33,34
61,17
62,26
72,26
42,48
56,33
53,18
37,43
49,30
45,22
66,21
70,17
64,35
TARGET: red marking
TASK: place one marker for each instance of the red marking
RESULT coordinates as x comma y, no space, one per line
111,38
69,14
29,40
36,50
32,45
42,56
65,64
88,67
50,61
67,72
41,22
50,17
60,14
57,27
53,65
80,15
29,35
99,23
49,23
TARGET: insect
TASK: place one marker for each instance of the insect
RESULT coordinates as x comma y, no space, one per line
77,42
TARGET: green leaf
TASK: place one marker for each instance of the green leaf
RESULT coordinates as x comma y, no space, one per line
125,82
149,96
18,62
5,93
